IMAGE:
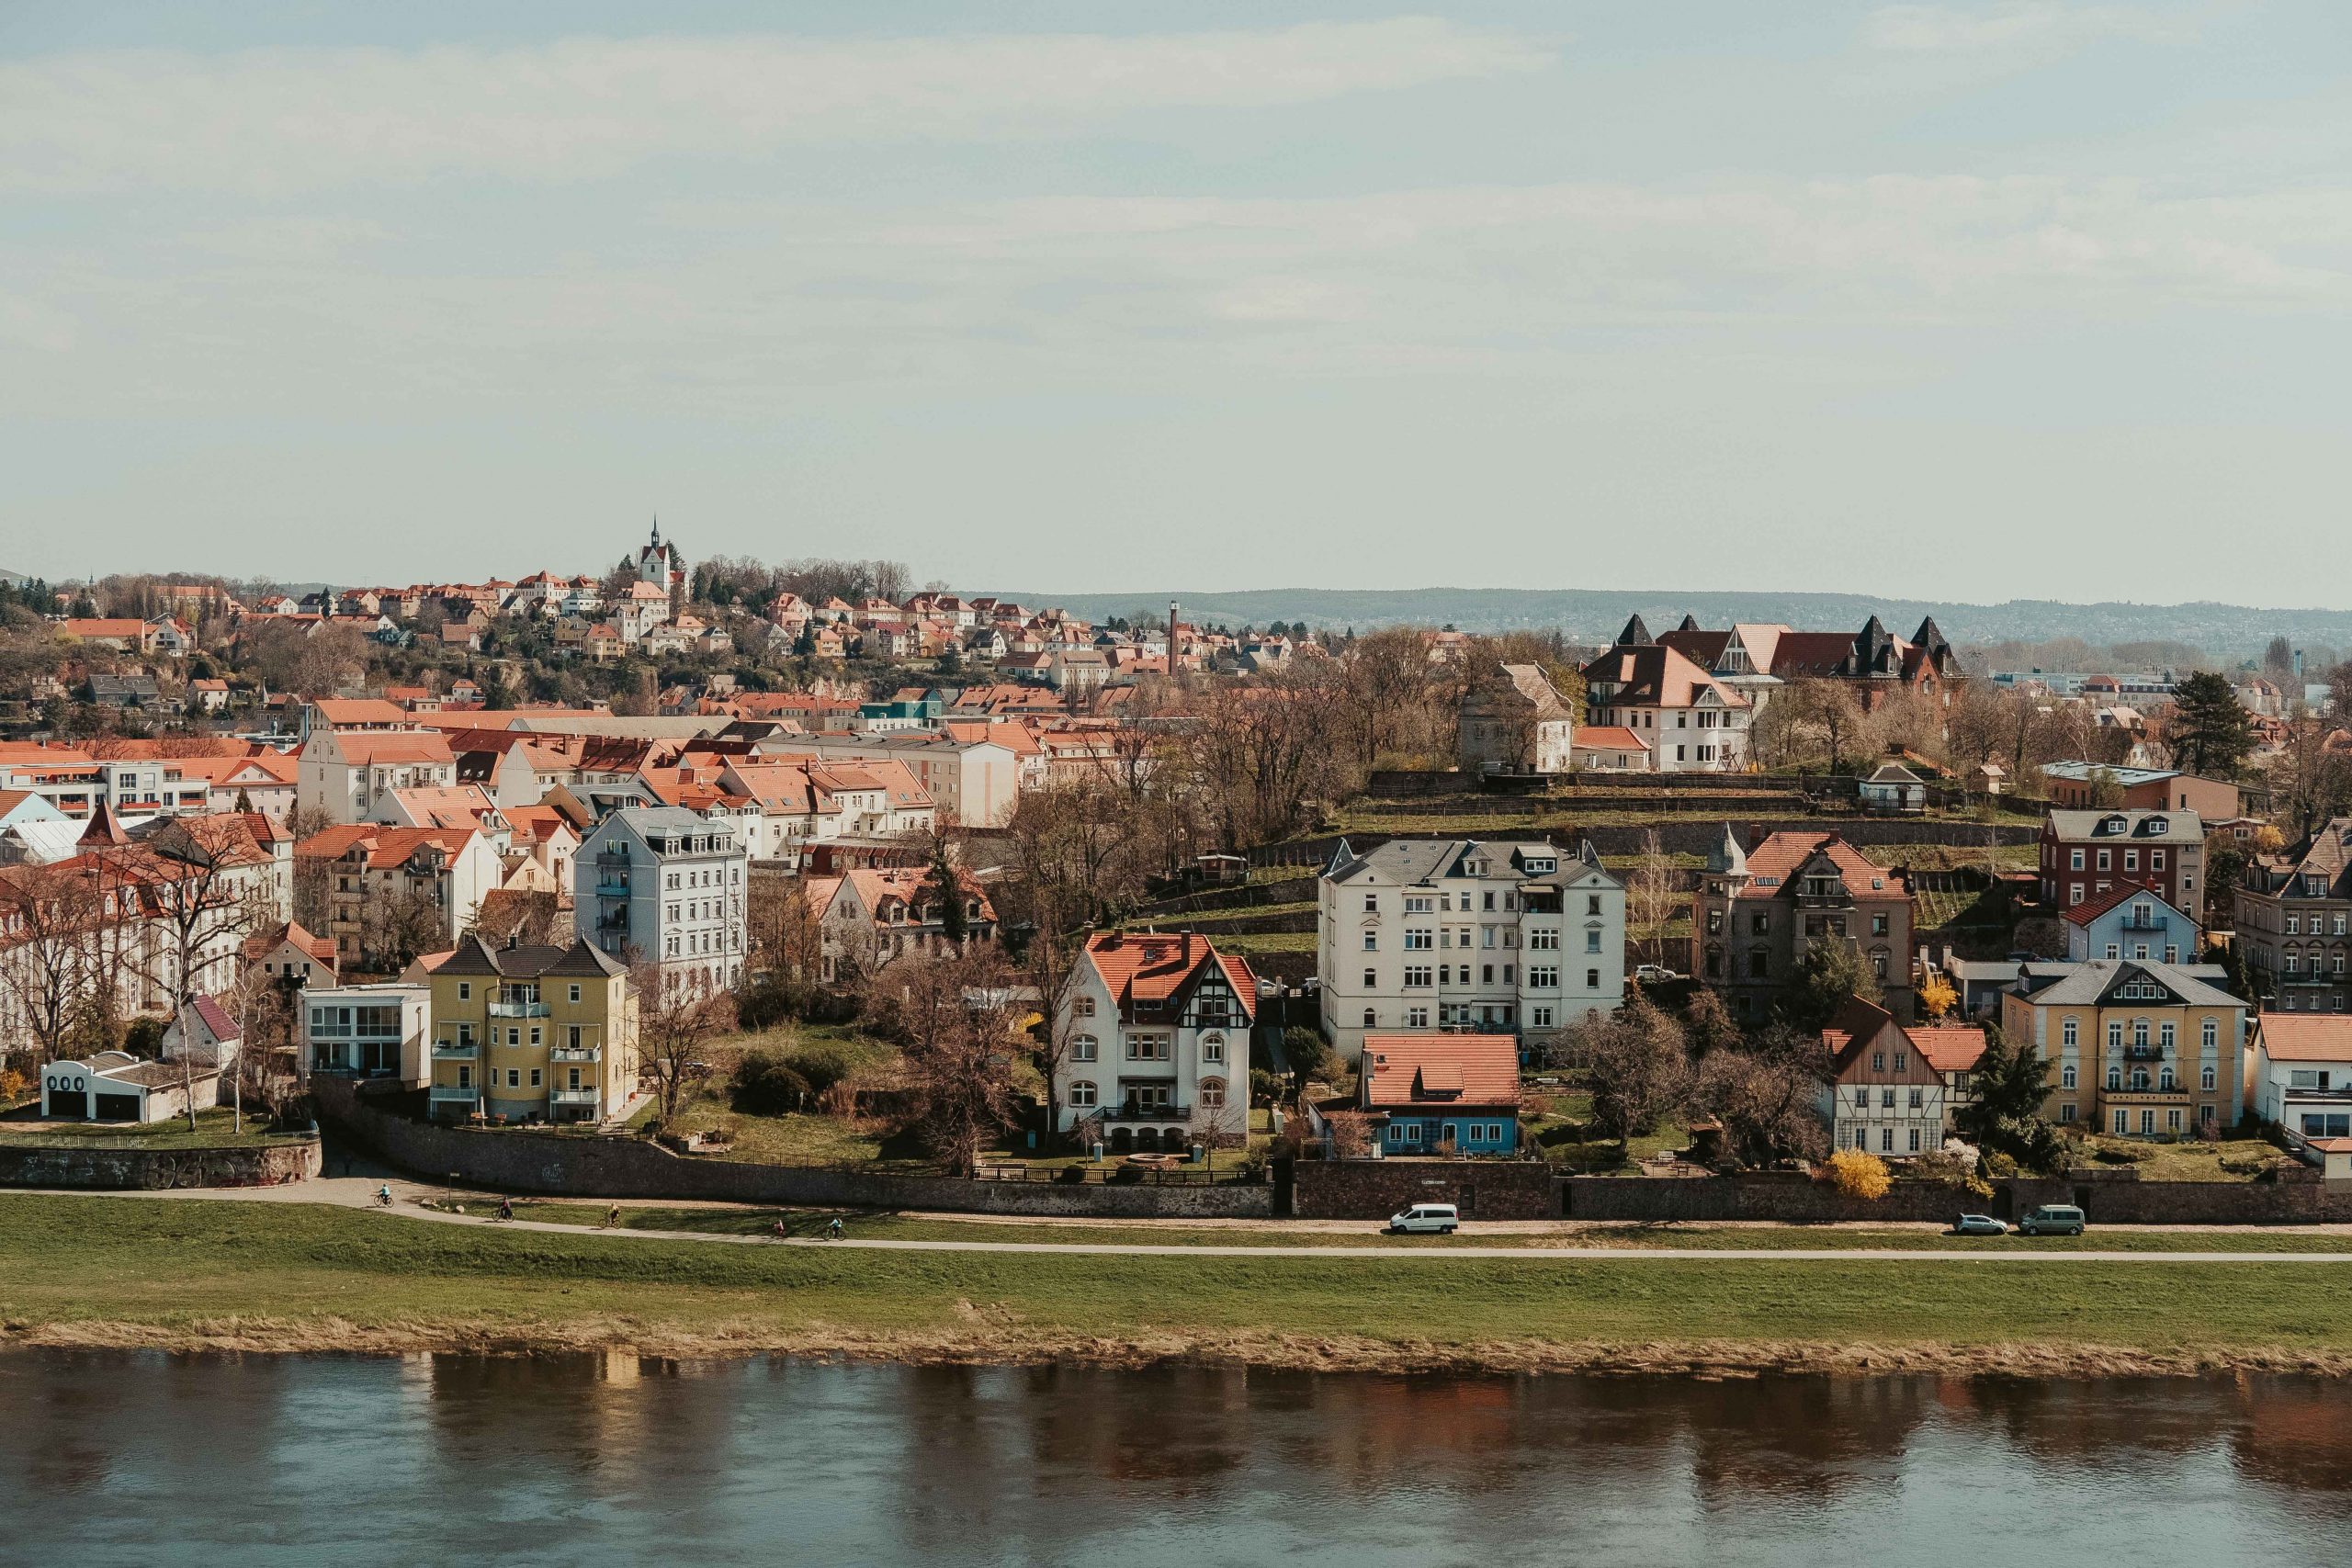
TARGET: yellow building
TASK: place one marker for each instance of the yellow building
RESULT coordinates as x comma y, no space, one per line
532,1033
2134,1049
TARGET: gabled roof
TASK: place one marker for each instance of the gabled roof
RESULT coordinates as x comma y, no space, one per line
2090,910
473,956
1655,676
2113,827
1403,1071
1150,969
2093,983
2306,1036
1775,863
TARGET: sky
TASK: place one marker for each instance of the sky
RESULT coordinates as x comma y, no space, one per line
1972,300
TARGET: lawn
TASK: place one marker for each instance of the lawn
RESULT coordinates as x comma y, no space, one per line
263,1275
808,1139
2231,1159
214,1127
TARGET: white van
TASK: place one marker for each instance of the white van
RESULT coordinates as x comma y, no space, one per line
1438,1218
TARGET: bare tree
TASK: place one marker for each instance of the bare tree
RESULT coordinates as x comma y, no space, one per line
1650,897
678,1014
1640,1069
1767,1096
400,926
50,923
955,1014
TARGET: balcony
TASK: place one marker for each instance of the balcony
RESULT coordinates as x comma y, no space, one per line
454,1094
2143,1053
587,1097
576,1054
1136,1112
518,1009
448,1051
2157,923
607,888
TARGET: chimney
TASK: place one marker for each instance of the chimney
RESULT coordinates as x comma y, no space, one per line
1755,834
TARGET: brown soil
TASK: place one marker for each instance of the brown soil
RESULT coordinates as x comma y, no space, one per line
980,1342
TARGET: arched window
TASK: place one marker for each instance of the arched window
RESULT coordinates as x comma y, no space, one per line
1212,1094
1084,1048
1081,1091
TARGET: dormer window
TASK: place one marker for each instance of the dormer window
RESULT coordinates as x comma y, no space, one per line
2158,825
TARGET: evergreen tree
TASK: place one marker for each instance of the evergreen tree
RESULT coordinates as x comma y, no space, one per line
2005,1116
1830,974
2211,733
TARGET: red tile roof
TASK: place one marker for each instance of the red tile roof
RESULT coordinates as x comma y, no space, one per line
2306,1037
1782,854
1150,967
1450,1069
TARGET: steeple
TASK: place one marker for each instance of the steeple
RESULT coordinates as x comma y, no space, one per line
656,545
1635,635
1727,858
1689,624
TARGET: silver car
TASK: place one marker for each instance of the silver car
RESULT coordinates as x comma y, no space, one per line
1978,1224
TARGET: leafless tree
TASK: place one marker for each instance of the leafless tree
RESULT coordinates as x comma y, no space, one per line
955,1014
1767,1096
1650,897
678,1015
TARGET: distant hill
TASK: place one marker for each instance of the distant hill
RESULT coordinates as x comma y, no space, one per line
1594,615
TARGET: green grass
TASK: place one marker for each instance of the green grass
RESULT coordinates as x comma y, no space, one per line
299,1276
1265,941
214,1127
2187,1161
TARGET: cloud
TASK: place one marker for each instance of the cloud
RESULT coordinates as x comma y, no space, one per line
275,121
2027,29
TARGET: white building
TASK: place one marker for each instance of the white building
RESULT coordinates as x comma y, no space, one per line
1157,1041
345,773
368,1031
2302,1074
976,782
1691,721
1515,938
660,884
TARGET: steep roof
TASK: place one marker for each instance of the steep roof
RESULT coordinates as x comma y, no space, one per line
1456,1070
474,956
2090,910
1148,969
2112,827
1781,855
1655,676
2090,984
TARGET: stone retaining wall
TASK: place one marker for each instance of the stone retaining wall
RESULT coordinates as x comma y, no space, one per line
1375,1188
576,1167
155,1170
1792,1198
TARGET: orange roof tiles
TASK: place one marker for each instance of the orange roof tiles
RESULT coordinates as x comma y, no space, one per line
1149,967
1403,1070
2306,1037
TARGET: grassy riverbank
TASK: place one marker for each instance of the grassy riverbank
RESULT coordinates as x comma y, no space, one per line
290,1277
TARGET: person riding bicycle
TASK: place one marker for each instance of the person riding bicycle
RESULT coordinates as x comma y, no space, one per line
506,1208
833,1230
384,1195
781,1234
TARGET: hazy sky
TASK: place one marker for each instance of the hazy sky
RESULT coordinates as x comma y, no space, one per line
1971,300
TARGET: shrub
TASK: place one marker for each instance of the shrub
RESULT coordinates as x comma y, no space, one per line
823,1066
764,1083
1858,1175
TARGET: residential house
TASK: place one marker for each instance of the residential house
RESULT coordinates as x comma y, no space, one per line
1514,721
665,885
288,954
2292,911
385,891
2130,922
1892,789
532,1035
1157,1041
1449,1095
2135,1049
1759,909
367,1031
2301,1081
1512,937
1874,663
1692,722
1891,1090
1610,748
2086,854
875,915
123,634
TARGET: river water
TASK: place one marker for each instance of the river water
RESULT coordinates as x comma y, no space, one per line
143,1458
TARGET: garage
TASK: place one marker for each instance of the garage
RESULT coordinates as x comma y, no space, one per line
64,1094
119,1106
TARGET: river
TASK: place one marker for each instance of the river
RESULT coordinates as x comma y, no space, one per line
142,1458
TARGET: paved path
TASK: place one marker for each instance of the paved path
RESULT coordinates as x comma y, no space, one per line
409,1197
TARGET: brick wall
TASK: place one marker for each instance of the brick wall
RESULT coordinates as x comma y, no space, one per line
1374,1190
522,1161
155,1171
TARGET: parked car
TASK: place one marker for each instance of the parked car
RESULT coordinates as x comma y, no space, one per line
1978,1224
1655,973
1426,1219
2054,1219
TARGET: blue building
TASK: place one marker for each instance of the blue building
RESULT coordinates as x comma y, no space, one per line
2130,922
1441,1094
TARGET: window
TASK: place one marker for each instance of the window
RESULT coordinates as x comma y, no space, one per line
2075,861
1370,1018
1081,1091
2066,1076
1415,904
1541,978
1886,1140
2066,1111
1084,1048
2205,1079
1886,1099
535,1078
1417,973
465,991
1213,1048
2122,1122
1417,1018
1372,942
2068,1030
1878,1061
1544,941
2212,1034
1212,1094
2115,1036
1915,1140
1085,1007
1418,942
1593,980
1918,1098
513,1077
1592,942
1592,904
1371,978
1540,1017
1878,925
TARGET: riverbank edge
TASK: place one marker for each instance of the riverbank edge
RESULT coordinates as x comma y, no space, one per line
999,1347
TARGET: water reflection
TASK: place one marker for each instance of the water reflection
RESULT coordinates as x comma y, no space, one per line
589,1460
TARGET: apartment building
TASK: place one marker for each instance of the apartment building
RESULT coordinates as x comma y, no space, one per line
2087,854
1759,908
1691,721
368,886
344,772
1516,937
531,1035
2135,1049
2293,910
366,1031
974,781
664,885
